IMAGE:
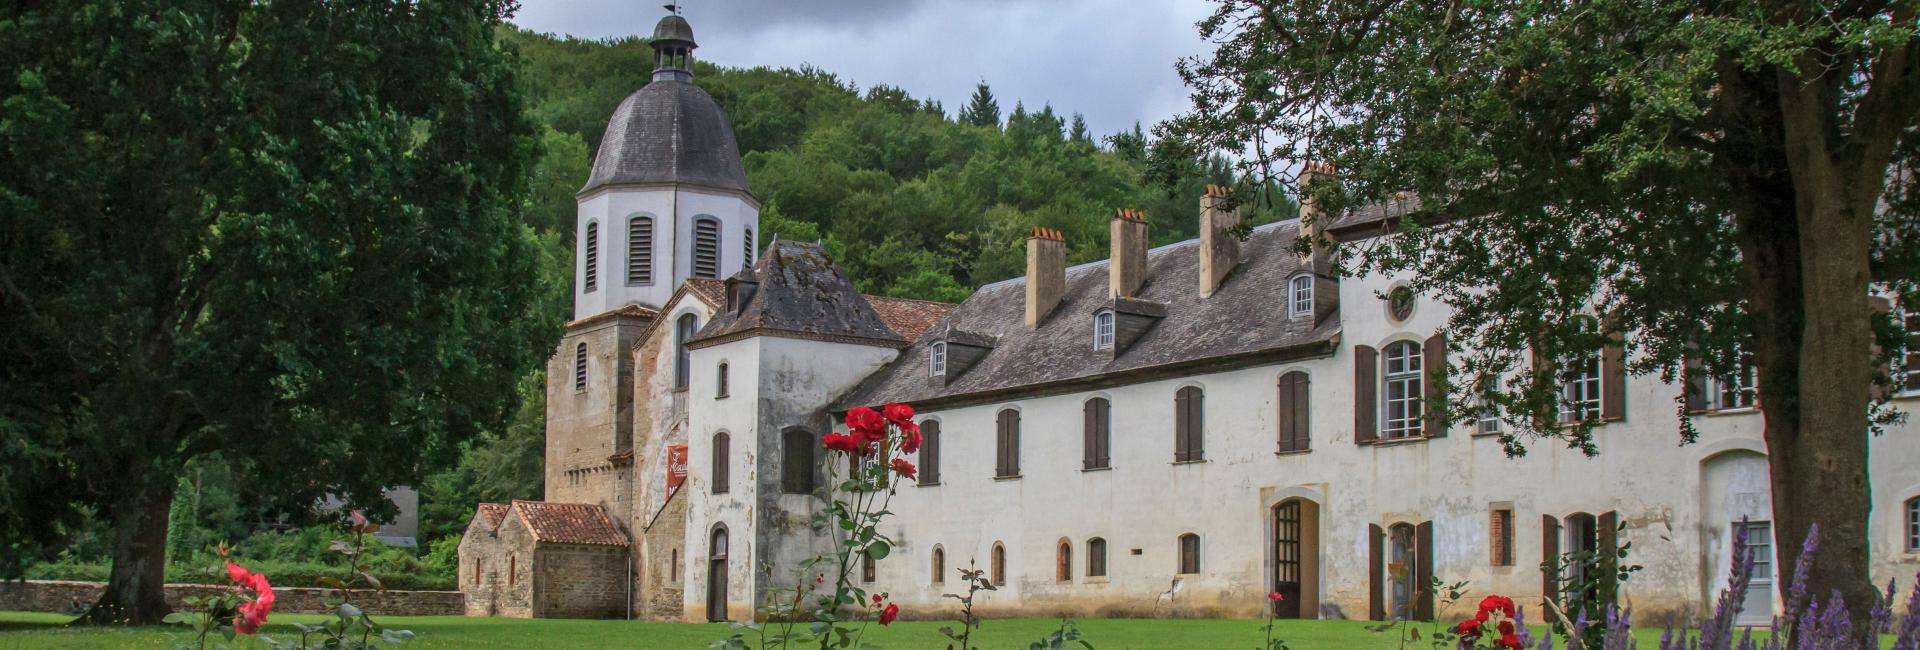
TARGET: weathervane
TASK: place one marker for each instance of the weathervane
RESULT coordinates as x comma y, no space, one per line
673,7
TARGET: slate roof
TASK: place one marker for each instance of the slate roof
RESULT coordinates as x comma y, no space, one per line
1373,218
673,27
1244,322
908,317
714,292
801,293
668,131
569,523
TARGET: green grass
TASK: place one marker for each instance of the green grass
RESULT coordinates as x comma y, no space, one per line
31,630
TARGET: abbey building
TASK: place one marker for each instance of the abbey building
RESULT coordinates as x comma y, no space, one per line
1171,431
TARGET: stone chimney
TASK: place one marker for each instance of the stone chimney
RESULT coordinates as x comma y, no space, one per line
1314,222
1127,262
1219,244
1046,273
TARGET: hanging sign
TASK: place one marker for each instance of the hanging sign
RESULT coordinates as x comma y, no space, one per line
676,465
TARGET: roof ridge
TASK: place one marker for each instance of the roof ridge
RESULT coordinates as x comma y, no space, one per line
930,302
1262,228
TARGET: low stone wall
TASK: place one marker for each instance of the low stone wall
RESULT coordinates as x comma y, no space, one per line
70,595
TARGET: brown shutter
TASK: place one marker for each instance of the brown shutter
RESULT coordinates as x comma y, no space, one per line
1882,375
1013,443
1699,391
1293,412
1089,428
1435,407
1365,386
1609,524
1423,572
720,464
1550,562
1001,437
1613,376
1376,585
930,452
1196,423
1182,426
1543,420
1103,438
1302,430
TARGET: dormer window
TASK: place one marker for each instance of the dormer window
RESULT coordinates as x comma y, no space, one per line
1300,296
937,359
1103,330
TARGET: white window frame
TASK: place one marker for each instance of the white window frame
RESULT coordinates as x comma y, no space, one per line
1487,424
1736,392
1300,295
1912,510
1906,383
937,359
1402,387
1103,329
1580,385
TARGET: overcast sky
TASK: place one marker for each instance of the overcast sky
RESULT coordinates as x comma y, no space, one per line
1111,60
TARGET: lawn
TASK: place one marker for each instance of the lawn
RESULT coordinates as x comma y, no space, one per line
24,630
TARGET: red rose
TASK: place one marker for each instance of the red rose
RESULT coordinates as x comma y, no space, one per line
863,422
1275,596
1491,603
899,414
1469,629
889,614
253,613
1506,628
1510,642
904,468
876,599
910,442
839,442
237,574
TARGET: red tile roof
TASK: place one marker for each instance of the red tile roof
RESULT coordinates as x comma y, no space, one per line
569,523
712,291
908,317
495,513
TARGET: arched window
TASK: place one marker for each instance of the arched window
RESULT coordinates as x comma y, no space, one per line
719,473
1103,330
1189,424
1300,296
998,565
682,331
580,367
1063,562
746,247
1096,557
866,568
720,378
590,249
640,250
1096,420
1292,397
796,463
929,452
717,548
1580,380
937,359
1189,553
939,565
1007,444
706,248
1402,384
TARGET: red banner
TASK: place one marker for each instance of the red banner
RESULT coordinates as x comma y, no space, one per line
676,465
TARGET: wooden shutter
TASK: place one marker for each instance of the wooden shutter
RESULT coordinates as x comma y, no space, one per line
1423,571
1196,422
1434,410
1613,376
1182,426
1550,561
930,452
1096,557
1008,463
1609,524
1294,410
1376,583
720,463
1884,378
1366,410
1500,531
1094,438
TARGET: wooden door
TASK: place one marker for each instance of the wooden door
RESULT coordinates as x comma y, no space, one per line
717,576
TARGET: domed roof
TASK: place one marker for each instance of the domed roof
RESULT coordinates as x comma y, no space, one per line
673,28
669,131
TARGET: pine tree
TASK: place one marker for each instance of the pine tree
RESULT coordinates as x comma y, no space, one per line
1078,132
983,109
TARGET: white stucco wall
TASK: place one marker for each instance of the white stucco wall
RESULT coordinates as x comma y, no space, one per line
674,208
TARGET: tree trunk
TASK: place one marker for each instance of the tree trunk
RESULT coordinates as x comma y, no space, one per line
1808,260
135,594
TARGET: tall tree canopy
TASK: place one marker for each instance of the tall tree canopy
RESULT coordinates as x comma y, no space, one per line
284,232
982,109
1712,178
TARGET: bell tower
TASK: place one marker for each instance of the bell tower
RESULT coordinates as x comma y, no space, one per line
667,199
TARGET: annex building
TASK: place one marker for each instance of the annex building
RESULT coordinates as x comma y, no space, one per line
1170,431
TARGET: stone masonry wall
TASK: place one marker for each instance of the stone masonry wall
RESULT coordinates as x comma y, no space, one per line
580,581
63,595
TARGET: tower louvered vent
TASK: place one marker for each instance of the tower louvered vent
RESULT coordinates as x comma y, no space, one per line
640,250
706,249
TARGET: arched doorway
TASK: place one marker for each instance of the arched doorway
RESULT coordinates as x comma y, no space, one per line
717,575
1737,497
1296,558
